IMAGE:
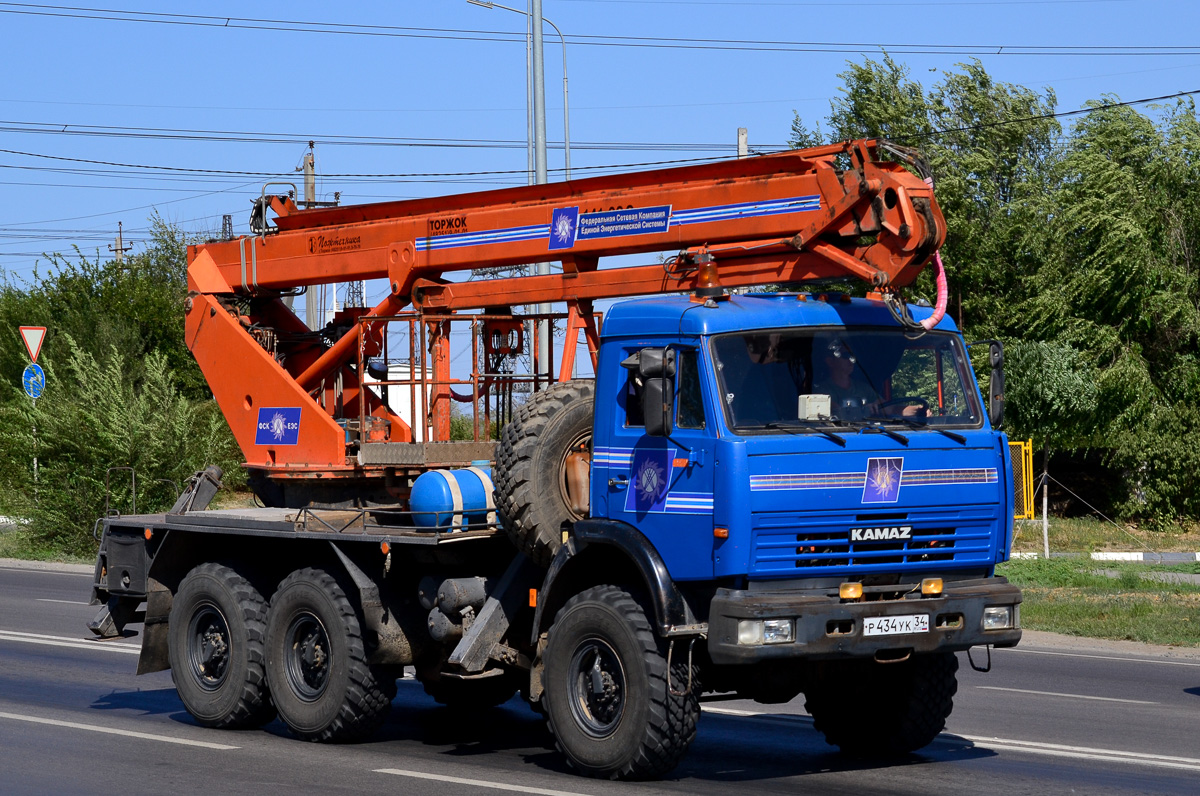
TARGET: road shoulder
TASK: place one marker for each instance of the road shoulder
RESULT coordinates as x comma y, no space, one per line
1038,639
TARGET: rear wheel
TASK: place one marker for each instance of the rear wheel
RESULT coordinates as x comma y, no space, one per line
541,468
217,625
607,696
316,662
878,709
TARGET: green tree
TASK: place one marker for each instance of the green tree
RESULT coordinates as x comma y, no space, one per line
135,306
122,391
1077,248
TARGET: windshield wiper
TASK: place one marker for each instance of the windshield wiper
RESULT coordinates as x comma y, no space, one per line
809,425
917,424
874,424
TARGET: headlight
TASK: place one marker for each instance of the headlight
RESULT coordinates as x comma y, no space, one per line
753,632
998,617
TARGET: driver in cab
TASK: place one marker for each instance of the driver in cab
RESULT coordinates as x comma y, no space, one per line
852,395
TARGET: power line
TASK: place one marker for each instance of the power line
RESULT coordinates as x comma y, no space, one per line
843,4
653,42
237,136
190,170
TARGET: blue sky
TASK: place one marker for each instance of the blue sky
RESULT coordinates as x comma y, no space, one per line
464,91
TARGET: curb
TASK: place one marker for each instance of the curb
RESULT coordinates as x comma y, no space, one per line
1144,558
47,566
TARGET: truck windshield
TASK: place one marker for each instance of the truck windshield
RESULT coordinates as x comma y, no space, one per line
772,381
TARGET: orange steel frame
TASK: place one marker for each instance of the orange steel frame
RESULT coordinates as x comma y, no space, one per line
871,219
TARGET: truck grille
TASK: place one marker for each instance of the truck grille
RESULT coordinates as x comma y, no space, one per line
797,544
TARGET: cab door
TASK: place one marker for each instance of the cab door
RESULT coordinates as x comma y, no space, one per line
663,486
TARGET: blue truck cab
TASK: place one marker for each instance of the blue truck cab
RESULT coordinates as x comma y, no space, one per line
818,480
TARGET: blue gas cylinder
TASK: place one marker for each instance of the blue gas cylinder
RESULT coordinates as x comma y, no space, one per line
453,499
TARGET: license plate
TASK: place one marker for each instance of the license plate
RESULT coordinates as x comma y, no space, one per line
895,625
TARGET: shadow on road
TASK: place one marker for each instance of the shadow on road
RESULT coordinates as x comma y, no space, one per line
770,746
146,702
727,749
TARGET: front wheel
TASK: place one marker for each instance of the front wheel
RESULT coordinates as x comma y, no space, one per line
317,663
880,709
606,694
217,624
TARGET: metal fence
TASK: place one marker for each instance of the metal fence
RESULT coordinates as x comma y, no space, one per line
1021,453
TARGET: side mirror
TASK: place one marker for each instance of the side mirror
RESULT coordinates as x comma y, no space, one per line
656,366
658,406
996,390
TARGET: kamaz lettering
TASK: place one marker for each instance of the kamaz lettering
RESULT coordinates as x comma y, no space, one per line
880,534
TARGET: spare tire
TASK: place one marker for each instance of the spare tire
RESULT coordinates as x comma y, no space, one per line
533,494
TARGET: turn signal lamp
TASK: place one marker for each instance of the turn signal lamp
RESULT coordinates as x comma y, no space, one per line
850,591
931,587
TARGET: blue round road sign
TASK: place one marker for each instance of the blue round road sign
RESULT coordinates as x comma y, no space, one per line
33,380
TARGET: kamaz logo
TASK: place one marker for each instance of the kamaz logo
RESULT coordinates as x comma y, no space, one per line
881,534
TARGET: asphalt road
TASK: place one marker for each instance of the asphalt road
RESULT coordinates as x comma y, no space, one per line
1053,716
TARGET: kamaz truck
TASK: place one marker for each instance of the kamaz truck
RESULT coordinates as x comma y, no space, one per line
753,494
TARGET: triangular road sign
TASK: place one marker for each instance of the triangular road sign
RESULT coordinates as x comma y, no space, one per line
33,337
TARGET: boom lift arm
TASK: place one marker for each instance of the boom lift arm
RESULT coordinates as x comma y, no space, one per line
823,212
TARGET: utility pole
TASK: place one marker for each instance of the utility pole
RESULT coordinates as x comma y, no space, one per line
226,227
314,299
743,143
120,248
310,177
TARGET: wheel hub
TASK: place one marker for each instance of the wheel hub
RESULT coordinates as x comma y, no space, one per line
307,656
597,688
208,648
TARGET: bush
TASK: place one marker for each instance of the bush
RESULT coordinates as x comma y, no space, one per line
95,416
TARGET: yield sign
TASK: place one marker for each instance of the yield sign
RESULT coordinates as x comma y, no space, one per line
33,337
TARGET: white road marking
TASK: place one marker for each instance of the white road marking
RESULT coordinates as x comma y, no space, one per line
1164,661
1006,744
1084,753
479,783
74,725
66,602
1069,696
66,641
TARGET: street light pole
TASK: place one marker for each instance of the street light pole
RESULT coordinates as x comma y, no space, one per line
537,82
529,66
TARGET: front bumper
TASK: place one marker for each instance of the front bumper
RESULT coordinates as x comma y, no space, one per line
828,627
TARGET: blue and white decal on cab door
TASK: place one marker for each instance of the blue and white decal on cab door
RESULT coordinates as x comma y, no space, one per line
651,474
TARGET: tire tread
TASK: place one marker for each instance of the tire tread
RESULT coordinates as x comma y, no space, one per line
672,721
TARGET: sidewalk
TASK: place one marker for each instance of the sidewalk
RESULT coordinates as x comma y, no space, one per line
1143,558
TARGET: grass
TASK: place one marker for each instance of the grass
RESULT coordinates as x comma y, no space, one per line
1073,597
16,543
1089,534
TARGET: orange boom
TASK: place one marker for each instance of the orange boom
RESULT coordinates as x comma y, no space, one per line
831,211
